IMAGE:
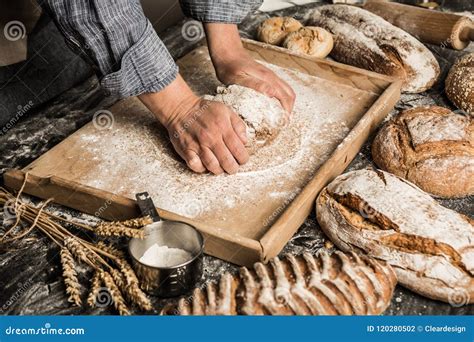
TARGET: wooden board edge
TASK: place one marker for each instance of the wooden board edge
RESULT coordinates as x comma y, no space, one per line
250,43
300,208
114,207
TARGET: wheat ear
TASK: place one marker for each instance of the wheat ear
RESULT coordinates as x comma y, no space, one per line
96,284
132,288
119,302
110,230
79,251
70,277
110,249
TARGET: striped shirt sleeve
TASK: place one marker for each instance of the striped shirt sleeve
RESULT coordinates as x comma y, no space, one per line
219,11
120,42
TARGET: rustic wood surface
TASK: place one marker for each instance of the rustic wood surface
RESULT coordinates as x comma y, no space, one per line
30,273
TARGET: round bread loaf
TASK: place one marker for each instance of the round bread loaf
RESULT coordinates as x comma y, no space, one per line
310,40
460,83
274,30
430,247
367,41
432,147
337,284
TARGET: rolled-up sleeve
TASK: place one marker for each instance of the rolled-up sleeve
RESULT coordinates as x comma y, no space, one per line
219,11
120,42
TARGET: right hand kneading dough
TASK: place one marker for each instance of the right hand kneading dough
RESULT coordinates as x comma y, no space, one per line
263,115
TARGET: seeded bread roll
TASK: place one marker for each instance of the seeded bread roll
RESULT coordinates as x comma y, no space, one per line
310,40
340,284
274,30
460,83
432,147
430,247
366,40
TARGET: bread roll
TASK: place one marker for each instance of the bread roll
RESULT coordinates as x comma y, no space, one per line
263,115
431,147
310,40
340,284
365,40
274,30
460,83
430,247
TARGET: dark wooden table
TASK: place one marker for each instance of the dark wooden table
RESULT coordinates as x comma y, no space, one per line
30,271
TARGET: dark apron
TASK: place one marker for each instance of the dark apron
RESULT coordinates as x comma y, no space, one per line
35,63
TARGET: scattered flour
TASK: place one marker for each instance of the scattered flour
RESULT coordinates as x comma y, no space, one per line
164,256
136,155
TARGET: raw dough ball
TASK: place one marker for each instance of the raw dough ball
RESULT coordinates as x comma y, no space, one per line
263,115
310,40
460,83
274,30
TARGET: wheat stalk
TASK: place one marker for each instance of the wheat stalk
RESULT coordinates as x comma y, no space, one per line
70,277
75,249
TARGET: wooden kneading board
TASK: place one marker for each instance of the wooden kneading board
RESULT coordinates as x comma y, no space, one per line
247,217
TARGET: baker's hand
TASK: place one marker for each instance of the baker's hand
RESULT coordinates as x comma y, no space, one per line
208,135
234,65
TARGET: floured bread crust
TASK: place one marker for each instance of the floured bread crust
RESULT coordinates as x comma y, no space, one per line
274,30
430,247
340,284
264,116
310,40
366,40
460,83
432,147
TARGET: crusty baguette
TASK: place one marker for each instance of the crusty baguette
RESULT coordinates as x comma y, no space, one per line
430,247
460,83
368,41
340,284
432,147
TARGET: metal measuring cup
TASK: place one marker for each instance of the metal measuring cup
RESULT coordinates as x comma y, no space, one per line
166,281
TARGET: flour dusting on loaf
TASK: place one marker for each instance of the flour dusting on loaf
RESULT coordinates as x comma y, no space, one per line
430,247
366,40
337,284
430,146
263,115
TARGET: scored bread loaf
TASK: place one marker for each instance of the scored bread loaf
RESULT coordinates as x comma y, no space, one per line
432,147
430,247
368,41
460,83
337,284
